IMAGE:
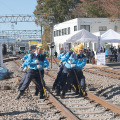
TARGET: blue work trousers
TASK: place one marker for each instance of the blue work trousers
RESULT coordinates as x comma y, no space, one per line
71,79
58,77
29,76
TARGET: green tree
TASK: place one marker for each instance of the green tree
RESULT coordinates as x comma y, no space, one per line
60,9
46,37
96,11
91,8
98,8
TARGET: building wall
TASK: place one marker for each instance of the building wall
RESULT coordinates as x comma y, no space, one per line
95,23
91,24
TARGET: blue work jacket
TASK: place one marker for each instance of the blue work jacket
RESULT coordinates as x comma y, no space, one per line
66,56
78,60
60,55
30,62
25,57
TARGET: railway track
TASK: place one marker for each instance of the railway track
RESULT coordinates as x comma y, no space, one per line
88,108
94,69
66,114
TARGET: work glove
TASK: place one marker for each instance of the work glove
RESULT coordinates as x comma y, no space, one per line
46,68
62,57
25,69
36,61
69,61
39,66
73,65
60,63
22,59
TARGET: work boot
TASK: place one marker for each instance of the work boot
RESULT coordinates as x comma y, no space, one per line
53,88
41,95
80,94
36,91
19,94
70,88
36,94
58,91
77,92
83,93
62,96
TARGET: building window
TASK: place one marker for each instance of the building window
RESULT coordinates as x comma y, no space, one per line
68,30
62,31
65,30
59,32
75,28
102,28
54,33
86,27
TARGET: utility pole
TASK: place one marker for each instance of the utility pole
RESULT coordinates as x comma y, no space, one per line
1,55
51,42
41,33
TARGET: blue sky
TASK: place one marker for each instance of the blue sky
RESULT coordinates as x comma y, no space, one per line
9,7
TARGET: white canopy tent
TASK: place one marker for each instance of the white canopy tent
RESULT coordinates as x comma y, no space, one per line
110,36
82,36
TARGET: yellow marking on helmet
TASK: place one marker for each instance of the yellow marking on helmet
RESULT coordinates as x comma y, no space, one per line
80,47
40,45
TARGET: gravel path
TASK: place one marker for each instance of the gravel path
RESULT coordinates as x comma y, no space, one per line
106,87
28,106
11,109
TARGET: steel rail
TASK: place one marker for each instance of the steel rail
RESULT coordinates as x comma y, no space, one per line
93,97
108,73
102,74
111,71
107,105
10,59
68,114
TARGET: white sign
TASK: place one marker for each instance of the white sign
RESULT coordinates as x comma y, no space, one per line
101,59
1,56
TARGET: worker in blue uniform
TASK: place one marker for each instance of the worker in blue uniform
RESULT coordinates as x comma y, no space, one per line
63,76
74,65
59,74
24,69
36,63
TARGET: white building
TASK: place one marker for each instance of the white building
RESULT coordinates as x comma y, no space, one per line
63,31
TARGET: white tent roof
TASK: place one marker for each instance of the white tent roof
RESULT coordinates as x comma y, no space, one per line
110,36
82,36
98,33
